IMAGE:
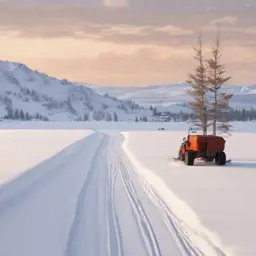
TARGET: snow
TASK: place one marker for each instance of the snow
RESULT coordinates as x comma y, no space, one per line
247,127
221,197
60,100
92,125
172,96
97,188
21,150
59,208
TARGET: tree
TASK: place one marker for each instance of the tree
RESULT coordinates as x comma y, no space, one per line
144,119
115,117
216,79
199,88
9,113
108,117
99,115
86,117
155,113
22,115
27,117
16,114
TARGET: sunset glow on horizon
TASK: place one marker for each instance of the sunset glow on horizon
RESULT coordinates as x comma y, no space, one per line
121,42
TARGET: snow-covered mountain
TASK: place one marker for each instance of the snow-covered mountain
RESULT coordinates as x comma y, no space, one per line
173,96
24,92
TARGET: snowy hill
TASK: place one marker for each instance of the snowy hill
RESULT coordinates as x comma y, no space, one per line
29,94
173,96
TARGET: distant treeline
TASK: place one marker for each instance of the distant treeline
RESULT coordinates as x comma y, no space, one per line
231,115
19,114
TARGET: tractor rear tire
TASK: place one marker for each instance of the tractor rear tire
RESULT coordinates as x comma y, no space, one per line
220,158
189,158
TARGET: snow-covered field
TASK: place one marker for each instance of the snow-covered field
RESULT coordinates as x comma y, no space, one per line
21,150
84,189
222,197
119,126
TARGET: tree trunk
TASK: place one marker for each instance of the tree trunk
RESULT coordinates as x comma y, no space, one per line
215,113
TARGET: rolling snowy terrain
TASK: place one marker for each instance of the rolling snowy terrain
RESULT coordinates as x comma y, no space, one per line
173,96
112,189
26,94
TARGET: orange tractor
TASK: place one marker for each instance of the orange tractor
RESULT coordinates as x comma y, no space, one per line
205,147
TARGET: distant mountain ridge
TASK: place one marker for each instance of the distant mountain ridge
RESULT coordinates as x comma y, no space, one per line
173,96
35,95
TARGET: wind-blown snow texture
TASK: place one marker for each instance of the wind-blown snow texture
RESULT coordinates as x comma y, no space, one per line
173,96
60,100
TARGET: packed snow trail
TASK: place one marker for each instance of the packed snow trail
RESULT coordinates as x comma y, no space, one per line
87,200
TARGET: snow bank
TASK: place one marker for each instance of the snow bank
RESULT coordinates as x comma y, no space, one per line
189,220
23,149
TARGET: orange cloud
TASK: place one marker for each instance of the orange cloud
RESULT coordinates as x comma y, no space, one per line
121,45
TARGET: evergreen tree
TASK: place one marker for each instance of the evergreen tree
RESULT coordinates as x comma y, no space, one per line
108,117
199,88
144,119
9,113
16,114
86,117
216,79
22,115
115,117
27,117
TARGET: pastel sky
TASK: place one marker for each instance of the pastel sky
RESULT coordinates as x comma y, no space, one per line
127,42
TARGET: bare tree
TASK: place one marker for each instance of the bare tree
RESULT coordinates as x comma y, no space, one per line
199,88
216,79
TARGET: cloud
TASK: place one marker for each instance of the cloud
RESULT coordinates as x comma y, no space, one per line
116,3
228,20
135,42
144,66
174,30
251,30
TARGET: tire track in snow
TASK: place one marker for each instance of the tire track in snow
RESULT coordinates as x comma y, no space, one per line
108,233
149,237
114,230
107,165
174,225
77,231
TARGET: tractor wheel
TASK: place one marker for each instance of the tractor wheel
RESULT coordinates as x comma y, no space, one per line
189,158
220,158
181,156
